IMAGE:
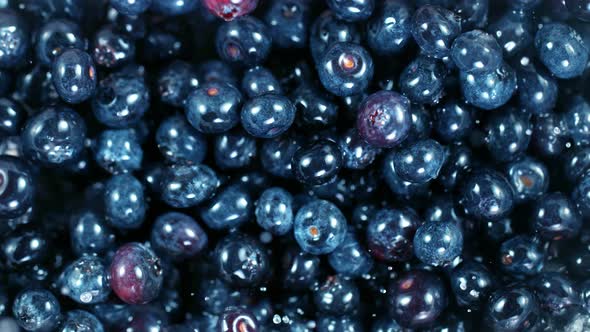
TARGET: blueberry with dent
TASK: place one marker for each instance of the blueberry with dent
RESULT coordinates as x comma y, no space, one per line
422,80
274,211
244,41
118,151
320,227
124,202
57,36
328,30
214,107
528,177
434,28
184,186
388,31
345,69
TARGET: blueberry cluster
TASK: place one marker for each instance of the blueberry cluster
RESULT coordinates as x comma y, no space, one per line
294,165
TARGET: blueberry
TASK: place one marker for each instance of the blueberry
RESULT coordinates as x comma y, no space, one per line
403,189
556,293
244,41
216,71
184,186
229,10
350,258
581,196
345,69
111,49
453,121
319,227
421,123
234,149
434,29
241,260
230,208
486,195
576,120
528,177
136,275
74,76
79,320
537,90
474,14
22,249
288,21
274,211
36,310
179,142
390,234
388,31
476,52
11,117
561,50
267,116
317,163
422,80
55,37
89,234
579,8
489,90
384,119
177,236
554,217
472,283
258,81
118,151
176,81
328,30
420,162
438,242
514,31
54,137
508,134
315,110
17,187
174,7
352,10
124,202
15,41
512,309
356,153
577,163
213,108
521,256
276,154
336,296
549,135
131,7
85,280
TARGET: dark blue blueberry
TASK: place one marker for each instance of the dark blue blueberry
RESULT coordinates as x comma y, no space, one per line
420,162
508,134
388,31
89,234
216,71
245,41
417,299
403,189
442,209
486,195
352,10
317,163
390,234
174,7
537,90
434,28
336,296
512,309
111,49
131,7
176,81
36,310
472,283
162,45
476,52
528,177
384,119
576,163
498,230
85,280
328,30
556,293
356,153
241,260
474,13
521,256
576,120
350,258
79,320
54,136
267,116
274,211
514,32
489,90
24,249
276,154
300,270
179,142
549,136
185,186
74,76
345,69
453,121
584,293
319,227
177,236
124,202
258,81
230,208
11,117
561,49
581,196
314,109
579,8
422,80
214,107
234,149
554,217
133,26
213,295
438,242
118,151
421,123
121,100
56,36
15,40
288,21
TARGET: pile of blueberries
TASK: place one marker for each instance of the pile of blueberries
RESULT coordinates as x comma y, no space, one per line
294,165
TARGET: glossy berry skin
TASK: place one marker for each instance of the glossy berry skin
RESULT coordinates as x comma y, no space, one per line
350,258
472,282
234,149
314,109
79,320
237,319
384,119
486,195
556,292
352,10
173,7
508,134
258,81
17,187
388,31
111,49
521,256
403,189
89,234
549,135
345,69
14,39
230,208
554,217
300,270
390,234
528,177
131,7
328,30
514,31
74,76
267,116
458,163
434,28
417,299
276,154
537,90
241,260
118,151
438,242
54,136
121,100
176,235
453,121
561,50
576,121
319,227
422,80
476,52
420,162
244,41
179,142
581,196
356,153
56,36
577,163
512,309
36,310
213,108
228,9
579,8
336,296
176,81
474,14
85,280
288,21
184,186
124,202
489,90
317,163
136,274
274,211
